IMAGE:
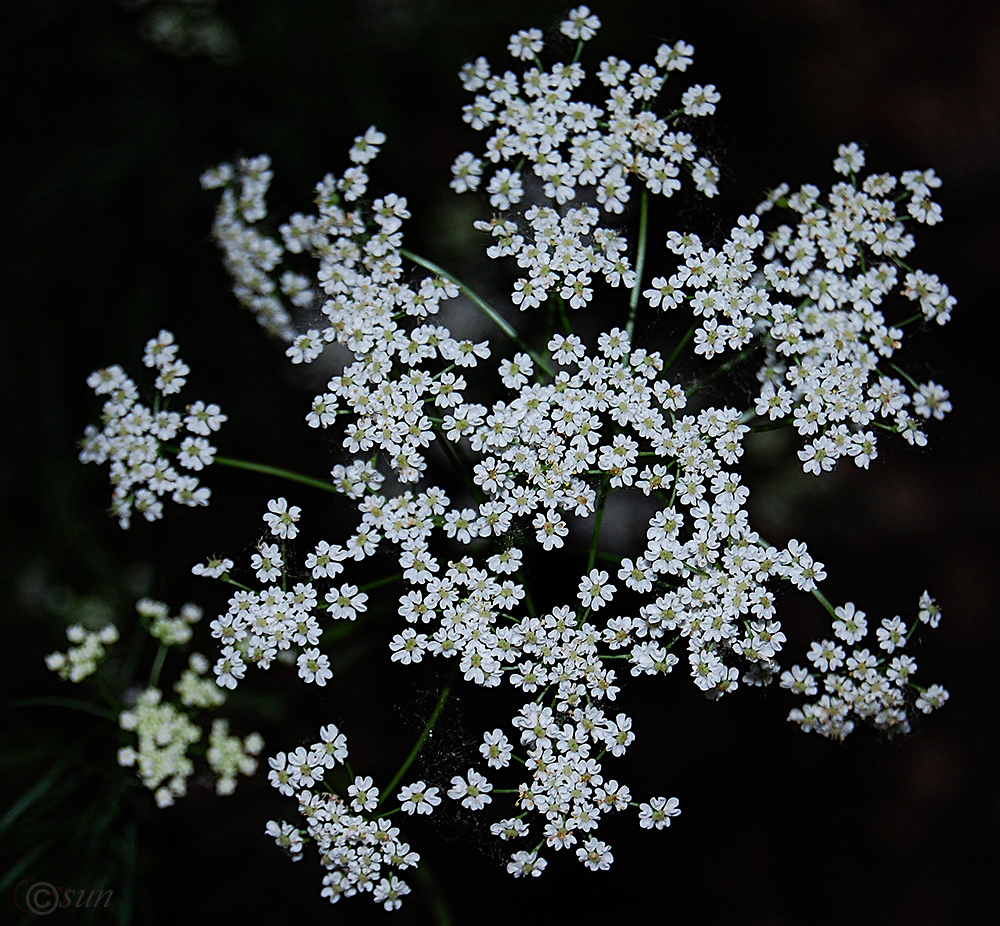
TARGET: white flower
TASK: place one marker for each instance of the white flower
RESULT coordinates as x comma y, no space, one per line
418,798
333,745
505,189
472,791
580,24
281,519
892,634
595,589
466,173
346,602
699,100
524,864
314,666
852,624
525,44
850,159
596,855
364,794
496,749
658,812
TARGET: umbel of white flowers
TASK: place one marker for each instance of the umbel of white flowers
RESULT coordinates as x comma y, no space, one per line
812,305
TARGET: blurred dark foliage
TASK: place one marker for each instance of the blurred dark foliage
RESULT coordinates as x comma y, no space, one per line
108,242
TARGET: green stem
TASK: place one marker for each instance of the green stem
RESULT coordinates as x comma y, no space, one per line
454,452
433,893
598,517
278,471
816,593
378,583
528,603
823,600
70,703
771,425
724,368
905,376
154,673
228,580
677,350
563,317
112,699
415,751
481,304
640,262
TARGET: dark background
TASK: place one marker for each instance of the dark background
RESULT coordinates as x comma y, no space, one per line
108,241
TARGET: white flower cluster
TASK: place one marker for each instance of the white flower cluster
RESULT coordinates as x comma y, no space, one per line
336,235
260,625
865,685
194,689
249,255
166,732
826,364
81,660
807,305
577,152
134,437
359,849
230,755
573,145
360,270
561,251
170,631
563,750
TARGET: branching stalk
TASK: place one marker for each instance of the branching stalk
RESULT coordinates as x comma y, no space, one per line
278,471
482,305
640,262
445,692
